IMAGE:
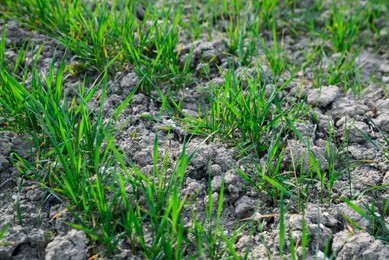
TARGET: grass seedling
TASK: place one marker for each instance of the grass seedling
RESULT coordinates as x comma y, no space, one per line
195,25
282,226
378,224
305,239
3,230
214,247
267,10
335,70
342,27
93,177
380,147
275,54
209,234
74,154
292,246
372,11
96,34
382,227
70,150
240,38
238,113
331,156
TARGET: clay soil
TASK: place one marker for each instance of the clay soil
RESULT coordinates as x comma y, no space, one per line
354,123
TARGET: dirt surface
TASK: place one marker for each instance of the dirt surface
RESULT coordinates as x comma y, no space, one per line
43,234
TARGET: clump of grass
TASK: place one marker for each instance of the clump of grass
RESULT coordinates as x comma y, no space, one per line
96,35
240,39
275,54
239,113
267,10
211,230
379,225
343,27
70,147
76,160
380,147
340,69
3,231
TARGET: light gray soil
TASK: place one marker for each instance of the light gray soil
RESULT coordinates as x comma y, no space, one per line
43,234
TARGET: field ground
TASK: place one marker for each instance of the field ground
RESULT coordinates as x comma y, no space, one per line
208,129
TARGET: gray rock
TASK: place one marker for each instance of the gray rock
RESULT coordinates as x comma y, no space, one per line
5,145
260,252
295,222
190,112
385,180
382,121
224,158
194,187
130,80
243,242
384,67
14,237
354,131
230,177
329,217
320,223
344,107
363,177
235,191
360,152
216,183
353,215
144,157
320,235
23,146
323,121
244,207
3,162
217,82
37,238
139,99
306,130
323,97
199,163
216,170
215,201
71,246
34,194
359,245
15,34
373,94
205,51
383,105
301,155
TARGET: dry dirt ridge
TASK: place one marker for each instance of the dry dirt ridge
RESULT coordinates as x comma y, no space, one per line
40,237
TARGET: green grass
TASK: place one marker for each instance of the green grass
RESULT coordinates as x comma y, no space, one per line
97,35
76,157
3,231
240,111
275,54
77,161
